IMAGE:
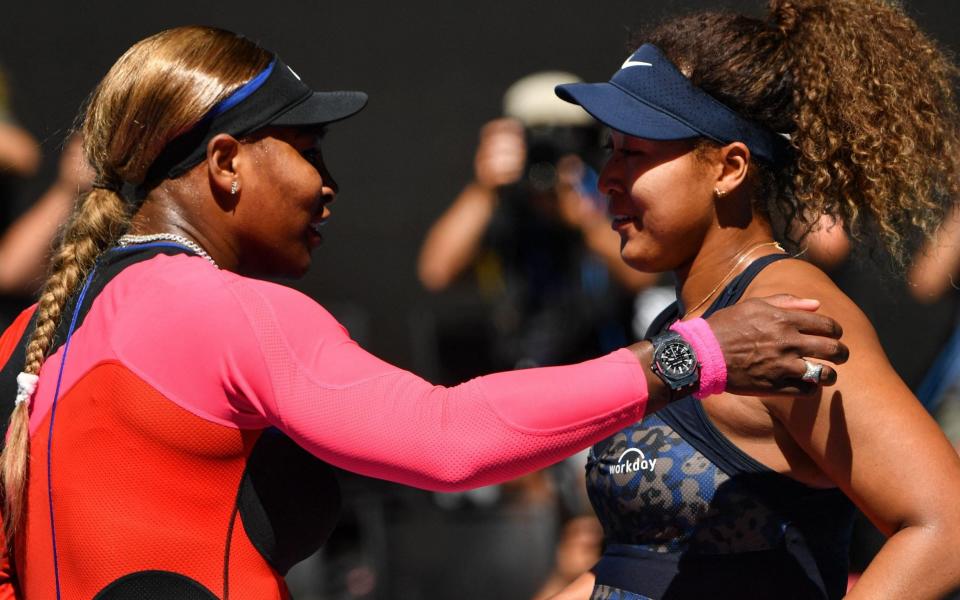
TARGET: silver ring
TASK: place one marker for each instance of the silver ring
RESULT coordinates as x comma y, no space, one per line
813,372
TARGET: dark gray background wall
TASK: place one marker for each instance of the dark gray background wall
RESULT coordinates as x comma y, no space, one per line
435,72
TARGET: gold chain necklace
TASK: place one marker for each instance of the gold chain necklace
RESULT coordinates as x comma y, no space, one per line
743,257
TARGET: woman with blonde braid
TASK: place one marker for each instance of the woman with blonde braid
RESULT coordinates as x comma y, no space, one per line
171,409
725,131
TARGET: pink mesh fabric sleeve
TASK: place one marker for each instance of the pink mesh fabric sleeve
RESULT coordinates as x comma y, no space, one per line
357,412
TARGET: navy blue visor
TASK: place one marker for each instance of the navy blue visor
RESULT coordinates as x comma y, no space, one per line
650,98
274,97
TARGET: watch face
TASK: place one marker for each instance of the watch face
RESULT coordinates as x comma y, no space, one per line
675,360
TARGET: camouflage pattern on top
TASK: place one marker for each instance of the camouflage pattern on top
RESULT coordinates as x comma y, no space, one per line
651,488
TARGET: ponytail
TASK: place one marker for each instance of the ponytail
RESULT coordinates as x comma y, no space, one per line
100,218
876,128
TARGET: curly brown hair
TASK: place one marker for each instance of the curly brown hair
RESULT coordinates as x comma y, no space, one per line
867,99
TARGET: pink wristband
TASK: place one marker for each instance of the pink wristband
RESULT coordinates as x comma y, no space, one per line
713,369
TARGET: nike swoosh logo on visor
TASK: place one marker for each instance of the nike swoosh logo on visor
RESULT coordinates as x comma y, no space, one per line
634,63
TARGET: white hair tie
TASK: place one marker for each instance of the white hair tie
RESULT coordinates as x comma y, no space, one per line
26,386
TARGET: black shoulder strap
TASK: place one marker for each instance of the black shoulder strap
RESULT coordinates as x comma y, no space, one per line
734,290
666,317
730,295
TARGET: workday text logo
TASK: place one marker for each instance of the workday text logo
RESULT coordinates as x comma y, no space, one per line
632,461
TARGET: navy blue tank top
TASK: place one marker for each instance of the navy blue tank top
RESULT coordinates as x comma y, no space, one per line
686,514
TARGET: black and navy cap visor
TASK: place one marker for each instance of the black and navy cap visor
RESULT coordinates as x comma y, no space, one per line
274,97
322,108
619,110
648,97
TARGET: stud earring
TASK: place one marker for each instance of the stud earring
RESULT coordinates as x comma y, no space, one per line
234,187
719,193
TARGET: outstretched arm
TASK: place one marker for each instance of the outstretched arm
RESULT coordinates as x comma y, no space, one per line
363,414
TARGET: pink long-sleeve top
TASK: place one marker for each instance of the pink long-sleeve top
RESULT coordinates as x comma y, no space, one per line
176,367
250,354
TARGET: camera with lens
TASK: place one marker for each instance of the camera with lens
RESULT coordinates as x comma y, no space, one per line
547,144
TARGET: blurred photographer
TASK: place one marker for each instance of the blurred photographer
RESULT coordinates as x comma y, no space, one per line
533,277
532,230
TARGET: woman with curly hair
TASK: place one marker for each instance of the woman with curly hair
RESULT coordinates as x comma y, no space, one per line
171,407
726,132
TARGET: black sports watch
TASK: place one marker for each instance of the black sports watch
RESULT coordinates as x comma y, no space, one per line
675,362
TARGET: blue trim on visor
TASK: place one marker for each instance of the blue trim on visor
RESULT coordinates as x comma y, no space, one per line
241,93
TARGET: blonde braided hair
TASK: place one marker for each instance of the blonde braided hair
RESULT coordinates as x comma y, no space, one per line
158,89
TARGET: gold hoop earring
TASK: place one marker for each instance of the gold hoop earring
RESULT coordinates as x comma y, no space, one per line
234,187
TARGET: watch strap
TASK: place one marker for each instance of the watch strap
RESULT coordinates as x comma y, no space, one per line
678,385
713,366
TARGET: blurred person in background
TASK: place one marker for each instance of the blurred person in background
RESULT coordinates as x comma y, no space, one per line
19,151
934,276
530,239
25,245
533,232
26,239
19,160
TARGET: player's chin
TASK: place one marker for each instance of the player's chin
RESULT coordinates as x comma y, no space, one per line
292,264
298,266
641,261
649,255
297,262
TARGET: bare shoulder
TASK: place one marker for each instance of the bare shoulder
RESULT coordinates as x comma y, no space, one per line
802,279
868,364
